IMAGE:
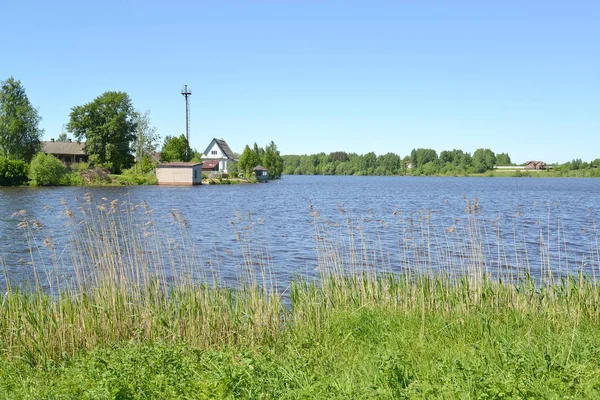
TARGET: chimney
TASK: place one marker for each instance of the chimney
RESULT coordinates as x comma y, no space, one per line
52,140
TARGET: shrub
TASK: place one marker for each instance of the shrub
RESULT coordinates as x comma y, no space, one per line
46,170
131,178
72,179
13,173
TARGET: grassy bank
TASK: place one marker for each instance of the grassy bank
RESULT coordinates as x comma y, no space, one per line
146,317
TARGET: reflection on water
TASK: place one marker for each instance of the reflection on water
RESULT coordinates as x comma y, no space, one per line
299,225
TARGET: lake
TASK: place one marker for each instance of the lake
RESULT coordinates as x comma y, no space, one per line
293,224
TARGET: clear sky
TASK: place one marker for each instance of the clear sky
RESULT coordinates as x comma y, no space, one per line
521,77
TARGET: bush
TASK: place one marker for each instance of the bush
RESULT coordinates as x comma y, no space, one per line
130,178
46,170
72,179
13,173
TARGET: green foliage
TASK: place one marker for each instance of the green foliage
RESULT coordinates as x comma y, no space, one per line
13,172
19,132
175,148
108,125
248,160
232,169
131,177
340,156
72,179
420,157
62,137
272,161
358,352
503,159
46,170
483,160
196,156
146,141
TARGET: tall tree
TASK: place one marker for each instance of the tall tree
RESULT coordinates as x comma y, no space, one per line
272,161
62,137
483,160
109,128
146,140
503,159
20,136
248,160
175,148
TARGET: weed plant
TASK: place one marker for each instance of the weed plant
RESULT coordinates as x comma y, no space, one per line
443,315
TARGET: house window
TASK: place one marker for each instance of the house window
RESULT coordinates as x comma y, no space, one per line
214,152
195,174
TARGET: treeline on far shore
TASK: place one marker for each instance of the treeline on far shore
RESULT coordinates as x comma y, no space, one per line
426,162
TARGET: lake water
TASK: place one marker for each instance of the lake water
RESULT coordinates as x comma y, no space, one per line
397,222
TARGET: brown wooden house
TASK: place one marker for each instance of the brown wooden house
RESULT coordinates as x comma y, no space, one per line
535,165
68,152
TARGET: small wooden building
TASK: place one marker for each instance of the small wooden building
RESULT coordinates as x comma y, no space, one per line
179,173
261,173
68,152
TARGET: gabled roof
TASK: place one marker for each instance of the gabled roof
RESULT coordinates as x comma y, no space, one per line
71,148
223,146
259,168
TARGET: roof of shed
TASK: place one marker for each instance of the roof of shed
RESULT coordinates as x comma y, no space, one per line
179,164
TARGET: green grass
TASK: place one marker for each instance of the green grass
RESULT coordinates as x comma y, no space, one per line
134,324
366,353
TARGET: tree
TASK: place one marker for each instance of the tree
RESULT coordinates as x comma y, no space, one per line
146,141
272,161
175,149
62,137
20,136
46,170
420,157
483,160
248,160
503,159
13,172
108,126
341,156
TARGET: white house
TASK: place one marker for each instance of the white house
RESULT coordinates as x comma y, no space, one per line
179,173
218,150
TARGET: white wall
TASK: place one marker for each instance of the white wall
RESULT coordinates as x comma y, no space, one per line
216,148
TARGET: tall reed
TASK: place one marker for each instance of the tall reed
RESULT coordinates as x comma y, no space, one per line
125,278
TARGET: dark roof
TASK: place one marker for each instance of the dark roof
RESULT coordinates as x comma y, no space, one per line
224,148
210,164
73,148
260,168
179,164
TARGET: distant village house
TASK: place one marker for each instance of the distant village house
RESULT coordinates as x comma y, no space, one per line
217,156
535,165
68,152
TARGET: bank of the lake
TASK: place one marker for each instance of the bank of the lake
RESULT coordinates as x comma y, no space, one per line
436,301
366,335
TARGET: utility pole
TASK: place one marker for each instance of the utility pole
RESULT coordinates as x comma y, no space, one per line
186,93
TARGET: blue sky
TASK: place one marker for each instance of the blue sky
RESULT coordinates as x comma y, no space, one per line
521,77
